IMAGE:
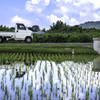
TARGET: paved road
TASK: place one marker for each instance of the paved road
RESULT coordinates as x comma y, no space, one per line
54,43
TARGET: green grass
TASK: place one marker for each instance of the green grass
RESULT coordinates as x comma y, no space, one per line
47,48
41,45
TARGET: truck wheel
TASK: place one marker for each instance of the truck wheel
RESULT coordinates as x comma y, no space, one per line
28,39
4,39
1,39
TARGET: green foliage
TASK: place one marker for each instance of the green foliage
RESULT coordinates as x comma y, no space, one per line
13,29
64,38
43,30
86,38
34,37
5,29
58,25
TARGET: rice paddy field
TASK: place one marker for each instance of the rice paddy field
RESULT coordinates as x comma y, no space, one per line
30,76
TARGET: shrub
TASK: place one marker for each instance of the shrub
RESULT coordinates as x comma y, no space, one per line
34,38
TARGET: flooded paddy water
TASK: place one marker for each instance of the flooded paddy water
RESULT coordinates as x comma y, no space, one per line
49,77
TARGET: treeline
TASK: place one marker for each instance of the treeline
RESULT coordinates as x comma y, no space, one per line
60,27
5,29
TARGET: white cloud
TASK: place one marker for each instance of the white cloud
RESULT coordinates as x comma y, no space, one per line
80,10
47,2
58,0
35,1
36,5
96,16
53,18
73,7
66,1
82,14
33,7
61,10
17,19
73,21
96,3
78,3
65,18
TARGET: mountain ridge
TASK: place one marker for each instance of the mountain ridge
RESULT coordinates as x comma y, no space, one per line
91,24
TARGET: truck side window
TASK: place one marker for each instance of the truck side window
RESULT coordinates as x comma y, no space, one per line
21,27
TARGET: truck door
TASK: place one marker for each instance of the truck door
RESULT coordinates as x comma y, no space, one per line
20,32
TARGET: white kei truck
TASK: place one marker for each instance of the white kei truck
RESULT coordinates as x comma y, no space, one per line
21,33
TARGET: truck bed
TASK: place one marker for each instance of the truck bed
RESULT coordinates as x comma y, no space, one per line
7,33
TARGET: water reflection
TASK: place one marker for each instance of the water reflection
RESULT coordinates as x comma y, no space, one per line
18,67
19,75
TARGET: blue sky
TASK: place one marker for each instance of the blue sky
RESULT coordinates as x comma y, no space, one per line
45,12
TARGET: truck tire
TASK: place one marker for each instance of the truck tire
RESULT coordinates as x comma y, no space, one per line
28,39
4,39
1,39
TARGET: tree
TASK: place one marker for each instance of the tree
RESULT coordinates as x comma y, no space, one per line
58,25
12,28
1,26
35,28
43,30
